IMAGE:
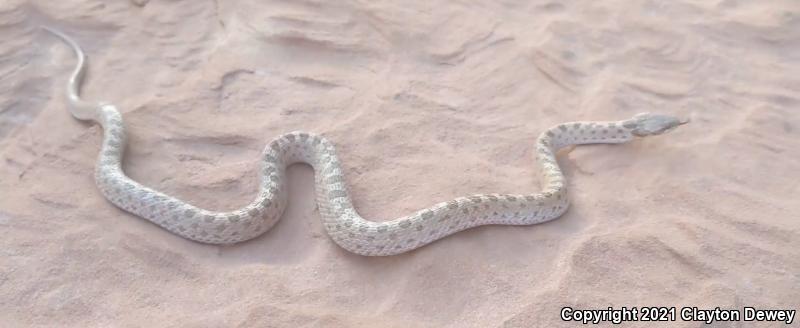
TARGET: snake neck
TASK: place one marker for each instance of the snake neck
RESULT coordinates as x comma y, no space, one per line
573,133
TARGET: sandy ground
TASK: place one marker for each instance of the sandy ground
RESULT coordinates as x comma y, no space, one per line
426,101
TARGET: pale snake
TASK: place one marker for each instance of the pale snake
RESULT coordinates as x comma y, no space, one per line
344,225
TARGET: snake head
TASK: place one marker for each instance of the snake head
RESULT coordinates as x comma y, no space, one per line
647,124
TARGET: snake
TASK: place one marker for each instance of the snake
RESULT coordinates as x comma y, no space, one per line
339,217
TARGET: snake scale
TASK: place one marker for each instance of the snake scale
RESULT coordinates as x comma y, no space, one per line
343,224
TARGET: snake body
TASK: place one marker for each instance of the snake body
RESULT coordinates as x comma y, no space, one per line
342,222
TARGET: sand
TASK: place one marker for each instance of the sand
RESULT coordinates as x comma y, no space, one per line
426,101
